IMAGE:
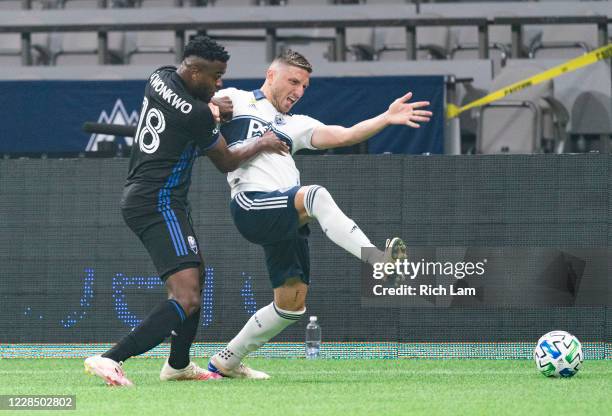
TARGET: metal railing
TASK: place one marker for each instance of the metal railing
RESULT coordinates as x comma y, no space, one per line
269,20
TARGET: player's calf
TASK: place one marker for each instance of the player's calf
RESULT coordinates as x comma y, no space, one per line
265,324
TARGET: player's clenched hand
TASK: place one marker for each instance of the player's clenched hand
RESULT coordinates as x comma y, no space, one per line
271,143
402,112
215,112
226,107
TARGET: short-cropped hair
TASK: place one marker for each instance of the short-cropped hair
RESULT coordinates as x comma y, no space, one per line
206,48
294,58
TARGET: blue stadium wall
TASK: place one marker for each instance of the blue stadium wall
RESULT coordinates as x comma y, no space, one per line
46,116
72,273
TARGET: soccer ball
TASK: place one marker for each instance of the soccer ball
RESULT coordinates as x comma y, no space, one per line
558,354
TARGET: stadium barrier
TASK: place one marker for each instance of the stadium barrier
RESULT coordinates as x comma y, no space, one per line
75,279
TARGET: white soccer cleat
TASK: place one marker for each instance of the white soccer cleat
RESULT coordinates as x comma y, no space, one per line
191,372
242,371
109,370
395,249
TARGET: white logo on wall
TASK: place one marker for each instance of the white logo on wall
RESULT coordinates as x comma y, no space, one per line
192,244
118,115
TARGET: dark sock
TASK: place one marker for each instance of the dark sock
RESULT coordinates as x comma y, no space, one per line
165,318
181,342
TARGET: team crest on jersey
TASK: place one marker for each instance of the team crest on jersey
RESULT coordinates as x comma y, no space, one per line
193,244
279,120
118,115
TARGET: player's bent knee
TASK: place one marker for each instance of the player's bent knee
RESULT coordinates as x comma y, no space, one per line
291,306
190,302
291,296
316,197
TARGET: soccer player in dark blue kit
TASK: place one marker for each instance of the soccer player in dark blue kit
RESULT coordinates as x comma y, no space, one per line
177,123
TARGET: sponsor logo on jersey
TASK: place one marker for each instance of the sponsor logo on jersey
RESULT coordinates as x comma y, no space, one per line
257,128
118,115
247,127
193,244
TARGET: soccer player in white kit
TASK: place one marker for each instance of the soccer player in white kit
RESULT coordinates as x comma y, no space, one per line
271,208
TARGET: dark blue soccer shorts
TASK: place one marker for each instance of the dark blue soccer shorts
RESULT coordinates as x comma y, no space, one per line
271,220
168,236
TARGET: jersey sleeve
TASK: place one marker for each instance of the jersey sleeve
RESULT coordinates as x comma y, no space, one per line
302,137
205,131
228,92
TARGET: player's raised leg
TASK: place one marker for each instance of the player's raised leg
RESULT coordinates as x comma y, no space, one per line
316,202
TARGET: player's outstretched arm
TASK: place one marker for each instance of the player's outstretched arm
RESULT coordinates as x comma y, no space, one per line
227,160
400,112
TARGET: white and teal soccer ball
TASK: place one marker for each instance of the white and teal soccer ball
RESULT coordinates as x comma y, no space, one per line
558,354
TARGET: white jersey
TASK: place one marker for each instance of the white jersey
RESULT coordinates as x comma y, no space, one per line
253,116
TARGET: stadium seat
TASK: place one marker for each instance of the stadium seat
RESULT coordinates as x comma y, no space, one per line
156,47
35,4
245,53
160,3
10,4
79,4
376,2
82,48
10,49
564,41
528,121
235,3
361,43
590,113
46,4
468,120
119,4
464,44
432,42
315,44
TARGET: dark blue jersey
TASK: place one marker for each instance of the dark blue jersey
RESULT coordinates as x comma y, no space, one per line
174,127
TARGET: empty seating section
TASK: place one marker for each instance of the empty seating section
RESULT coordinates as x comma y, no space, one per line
525,122
369,42
518,39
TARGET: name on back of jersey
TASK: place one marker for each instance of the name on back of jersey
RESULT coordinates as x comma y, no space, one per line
172,98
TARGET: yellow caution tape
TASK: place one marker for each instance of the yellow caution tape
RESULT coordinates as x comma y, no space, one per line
604,52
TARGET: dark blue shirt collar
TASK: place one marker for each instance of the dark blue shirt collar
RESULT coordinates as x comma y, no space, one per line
259,95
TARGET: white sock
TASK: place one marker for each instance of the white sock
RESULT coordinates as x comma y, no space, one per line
338,227
264,325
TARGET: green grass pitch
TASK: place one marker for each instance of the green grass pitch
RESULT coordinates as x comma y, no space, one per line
323,387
